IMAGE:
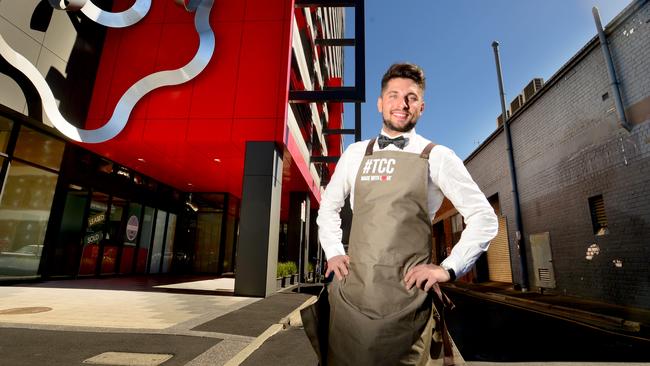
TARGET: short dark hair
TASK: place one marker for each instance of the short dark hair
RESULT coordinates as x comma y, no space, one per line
404,70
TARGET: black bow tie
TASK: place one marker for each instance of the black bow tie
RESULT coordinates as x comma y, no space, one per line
399,141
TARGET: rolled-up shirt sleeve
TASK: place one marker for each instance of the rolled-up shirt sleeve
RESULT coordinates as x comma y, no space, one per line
330,233
481,222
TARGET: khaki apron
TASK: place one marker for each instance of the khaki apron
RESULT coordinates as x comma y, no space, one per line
374,319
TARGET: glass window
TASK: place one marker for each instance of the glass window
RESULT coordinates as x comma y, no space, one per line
5,132
95,231
38,148
456,228
169,243
158,237
24,213
208,236
231,234
131,230
68,250
145,240
113,236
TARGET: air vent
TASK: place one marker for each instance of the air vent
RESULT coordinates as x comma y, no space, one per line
544,275
598,216
533,87
500,118
516,103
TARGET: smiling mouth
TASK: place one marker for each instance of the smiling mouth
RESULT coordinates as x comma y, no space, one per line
400,115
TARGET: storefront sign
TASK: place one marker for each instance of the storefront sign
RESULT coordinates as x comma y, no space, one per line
93,238
132,227
96,219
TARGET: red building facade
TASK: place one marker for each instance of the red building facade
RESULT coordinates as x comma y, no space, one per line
178,189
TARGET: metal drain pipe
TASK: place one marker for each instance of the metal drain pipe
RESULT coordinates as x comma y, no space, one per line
521,249
611,71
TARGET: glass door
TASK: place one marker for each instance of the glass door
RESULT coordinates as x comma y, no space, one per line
131,232
144,247
158,241
94,233
169,243
112,244
68,248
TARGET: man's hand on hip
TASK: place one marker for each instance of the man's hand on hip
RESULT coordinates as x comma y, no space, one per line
425,276
339,265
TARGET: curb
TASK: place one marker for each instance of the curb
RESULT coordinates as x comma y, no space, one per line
291,320
294,319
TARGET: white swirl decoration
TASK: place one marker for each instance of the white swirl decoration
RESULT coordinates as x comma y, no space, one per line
121,19
143,86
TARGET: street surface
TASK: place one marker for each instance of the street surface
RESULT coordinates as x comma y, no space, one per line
489,331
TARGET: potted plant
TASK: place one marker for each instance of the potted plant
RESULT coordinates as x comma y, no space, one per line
310,272
281,274
293,271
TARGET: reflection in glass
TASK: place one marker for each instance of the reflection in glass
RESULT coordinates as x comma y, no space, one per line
66,254
38,148
113,237
5,131
131,230
159,234
95,231
208,235
145,240
169,243
231,235
24,213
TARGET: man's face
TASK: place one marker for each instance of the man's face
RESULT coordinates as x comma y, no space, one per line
401,103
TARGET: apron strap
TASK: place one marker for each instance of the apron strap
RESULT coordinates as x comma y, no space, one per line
427,150
371,145
442,304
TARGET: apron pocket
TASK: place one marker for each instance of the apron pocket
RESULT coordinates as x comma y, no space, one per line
378,291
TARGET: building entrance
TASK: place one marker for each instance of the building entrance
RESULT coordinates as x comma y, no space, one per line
114,235
66,212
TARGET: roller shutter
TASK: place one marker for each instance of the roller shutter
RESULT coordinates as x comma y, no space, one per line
499,255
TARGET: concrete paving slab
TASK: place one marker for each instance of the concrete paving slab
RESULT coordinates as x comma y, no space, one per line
128,359
254,319
28,347
289,347
111,308
217,284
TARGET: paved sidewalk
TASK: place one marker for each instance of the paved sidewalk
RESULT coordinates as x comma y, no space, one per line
191,321
197,321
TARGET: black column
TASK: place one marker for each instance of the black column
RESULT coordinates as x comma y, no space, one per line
257,249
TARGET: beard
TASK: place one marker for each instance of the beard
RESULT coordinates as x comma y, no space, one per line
390,126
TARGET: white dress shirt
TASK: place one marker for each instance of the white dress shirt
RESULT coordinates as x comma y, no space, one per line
448,177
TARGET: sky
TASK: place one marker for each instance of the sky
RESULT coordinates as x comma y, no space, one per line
452,41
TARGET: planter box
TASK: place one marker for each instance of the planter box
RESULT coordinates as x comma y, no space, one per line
280,281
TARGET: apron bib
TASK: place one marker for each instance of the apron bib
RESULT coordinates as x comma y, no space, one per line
374,319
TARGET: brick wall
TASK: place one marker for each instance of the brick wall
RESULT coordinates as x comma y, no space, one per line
568,147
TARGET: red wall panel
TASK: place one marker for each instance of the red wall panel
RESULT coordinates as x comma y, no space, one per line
180,130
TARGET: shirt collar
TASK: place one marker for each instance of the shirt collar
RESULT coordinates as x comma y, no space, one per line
407,135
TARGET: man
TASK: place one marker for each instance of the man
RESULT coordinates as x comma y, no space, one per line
380,305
